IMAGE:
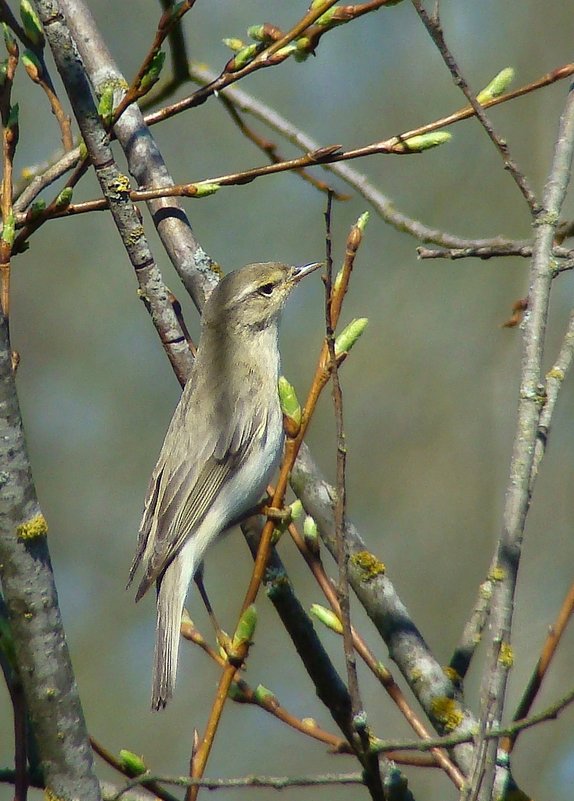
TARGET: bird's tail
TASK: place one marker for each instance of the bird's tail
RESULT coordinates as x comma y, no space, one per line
172,590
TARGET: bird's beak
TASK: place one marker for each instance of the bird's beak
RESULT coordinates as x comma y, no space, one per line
300,271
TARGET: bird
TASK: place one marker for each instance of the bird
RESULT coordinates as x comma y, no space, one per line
223,444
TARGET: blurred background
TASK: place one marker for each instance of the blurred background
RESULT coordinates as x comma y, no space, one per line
430,392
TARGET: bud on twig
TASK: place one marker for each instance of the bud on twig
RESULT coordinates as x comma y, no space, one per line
32,65
106,105
416,144
234,44
311,534
204,189
265,697
9,229
31,23
133,764
64,198
349,335
153,72
498,85
10,41
289,405
327,617
245,628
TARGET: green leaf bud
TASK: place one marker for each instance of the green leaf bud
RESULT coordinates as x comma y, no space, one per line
362,221
33,65
264,696
234,44
349,335
258,33
326,18
133,764
416,144
288,400
296,509
64,198
10,40
9,229
327,617
338,279
244,56
498,85
153,71
204,189
311,534
286,51
31,23
106,104
302,49
246,627
36,209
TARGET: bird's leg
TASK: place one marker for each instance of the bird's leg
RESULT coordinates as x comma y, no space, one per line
222,638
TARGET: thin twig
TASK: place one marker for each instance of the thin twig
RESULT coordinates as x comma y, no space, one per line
381,673
434,28
340,506
9,142
264,699
169,19
267,57
548,651
275,782
118,765
270,148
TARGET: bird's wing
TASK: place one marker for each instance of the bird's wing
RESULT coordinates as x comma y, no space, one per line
184,484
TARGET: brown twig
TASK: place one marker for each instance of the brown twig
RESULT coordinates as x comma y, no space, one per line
546,656
168,20
10,133
274,54
376,667
356,180
118,765
292,445
265,700
340,506
271,149
37,71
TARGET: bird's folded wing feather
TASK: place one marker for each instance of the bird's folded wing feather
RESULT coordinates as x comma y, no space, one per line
181,489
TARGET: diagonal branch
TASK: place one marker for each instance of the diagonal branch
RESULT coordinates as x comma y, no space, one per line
531,402
434,28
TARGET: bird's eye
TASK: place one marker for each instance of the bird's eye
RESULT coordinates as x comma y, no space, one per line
266,289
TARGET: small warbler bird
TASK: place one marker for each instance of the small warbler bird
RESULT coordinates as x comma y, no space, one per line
224,443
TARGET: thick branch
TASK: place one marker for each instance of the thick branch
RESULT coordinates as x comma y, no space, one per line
145,161
531,402
30,594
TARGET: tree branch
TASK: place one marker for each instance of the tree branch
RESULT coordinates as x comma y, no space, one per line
41,651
